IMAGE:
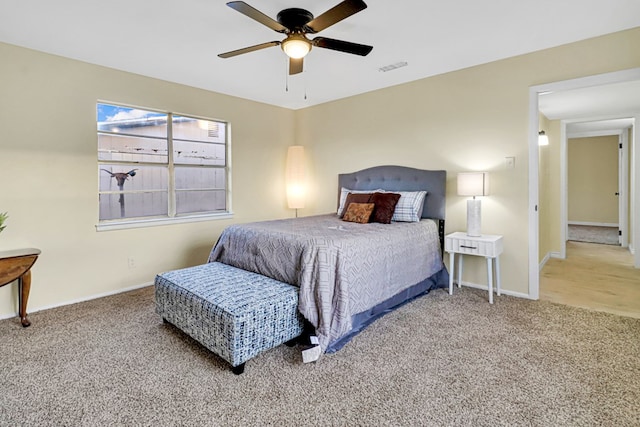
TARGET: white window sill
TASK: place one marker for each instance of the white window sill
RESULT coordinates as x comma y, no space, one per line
153,222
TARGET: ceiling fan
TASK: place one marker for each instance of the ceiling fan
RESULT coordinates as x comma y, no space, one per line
296,24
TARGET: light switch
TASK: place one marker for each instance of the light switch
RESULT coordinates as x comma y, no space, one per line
510,162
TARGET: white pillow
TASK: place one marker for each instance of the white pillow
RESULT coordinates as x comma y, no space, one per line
344,192
409,207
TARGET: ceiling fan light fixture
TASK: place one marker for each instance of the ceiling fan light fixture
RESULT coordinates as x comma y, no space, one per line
296,46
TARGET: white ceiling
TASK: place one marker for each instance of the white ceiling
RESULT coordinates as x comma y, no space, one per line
179,41
598,127
608,100
596,109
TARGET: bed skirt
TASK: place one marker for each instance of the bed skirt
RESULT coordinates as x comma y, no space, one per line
361,320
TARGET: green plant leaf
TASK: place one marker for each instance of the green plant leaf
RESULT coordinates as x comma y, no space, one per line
3,218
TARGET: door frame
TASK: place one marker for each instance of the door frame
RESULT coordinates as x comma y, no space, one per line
623,177
533,216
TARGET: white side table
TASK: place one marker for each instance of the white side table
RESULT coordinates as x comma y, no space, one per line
488,246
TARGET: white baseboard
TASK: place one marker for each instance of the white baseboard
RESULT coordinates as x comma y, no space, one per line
594,224
543,262
486,288
548,256
632,249
89,298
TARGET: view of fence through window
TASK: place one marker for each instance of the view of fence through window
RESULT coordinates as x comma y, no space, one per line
154,164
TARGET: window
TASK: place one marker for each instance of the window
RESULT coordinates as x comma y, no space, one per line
158,165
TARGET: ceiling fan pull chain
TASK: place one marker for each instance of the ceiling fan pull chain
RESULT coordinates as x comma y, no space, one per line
286,73
305,84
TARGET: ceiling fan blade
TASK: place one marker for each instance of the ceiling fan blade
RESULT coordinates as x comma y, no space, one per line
335,14
342,46
255,14
295,65
248,49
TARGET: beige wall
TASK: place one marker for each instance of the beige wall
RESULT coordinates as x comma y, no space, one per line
593,179
48,170
544,180
465,120
550,242
545,214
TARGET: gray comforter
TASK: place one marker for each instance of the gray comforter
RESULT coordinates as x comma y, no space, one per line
342,268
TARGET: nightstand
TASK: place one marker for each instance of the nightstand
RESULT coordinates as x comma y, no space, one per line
487,245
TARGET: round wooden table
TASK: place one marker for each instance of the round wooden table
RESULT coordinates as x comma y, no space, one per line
14,265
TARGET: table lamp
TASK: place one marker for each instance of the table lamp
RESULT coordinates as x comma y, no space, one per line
473,184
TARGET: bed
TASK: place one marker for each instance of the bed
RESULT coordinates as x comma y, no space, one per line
349,274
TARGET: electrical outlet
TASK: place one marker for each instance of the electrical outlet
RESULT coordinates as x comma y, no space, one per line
510,162
131,262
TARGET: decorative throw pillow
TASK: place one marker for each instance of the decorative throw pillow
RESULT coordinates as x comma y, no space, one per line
409,207
356,198
344,192
359,212
385,204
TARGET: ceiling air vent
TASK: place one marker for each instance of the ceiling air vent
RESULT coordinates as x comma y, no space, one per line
393,66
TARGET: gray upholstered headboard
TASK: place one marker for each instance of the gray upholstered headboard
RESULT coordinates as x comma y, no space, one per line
401,178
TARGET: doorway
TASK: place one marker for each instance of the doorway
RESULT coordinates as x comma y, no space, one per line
593,84
597,184
591,275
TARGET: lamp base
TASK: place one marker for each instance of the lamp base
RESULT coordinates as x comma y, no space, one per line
473,218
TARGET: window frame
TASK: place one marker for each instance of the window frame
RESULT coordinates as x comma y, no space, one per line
172,217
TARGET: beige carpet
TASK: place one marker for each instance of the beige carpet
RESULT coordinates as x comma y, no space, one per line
593,234
440,361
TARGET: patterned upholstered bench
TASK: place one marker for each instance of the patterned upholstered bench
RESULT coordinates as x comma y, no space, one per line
234,313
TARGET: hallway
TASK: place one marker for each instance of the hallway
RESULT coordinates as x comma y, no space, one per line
593,276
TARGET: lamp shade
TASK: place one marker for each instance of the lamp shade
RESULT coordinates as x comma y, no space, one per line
295,177
473,184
